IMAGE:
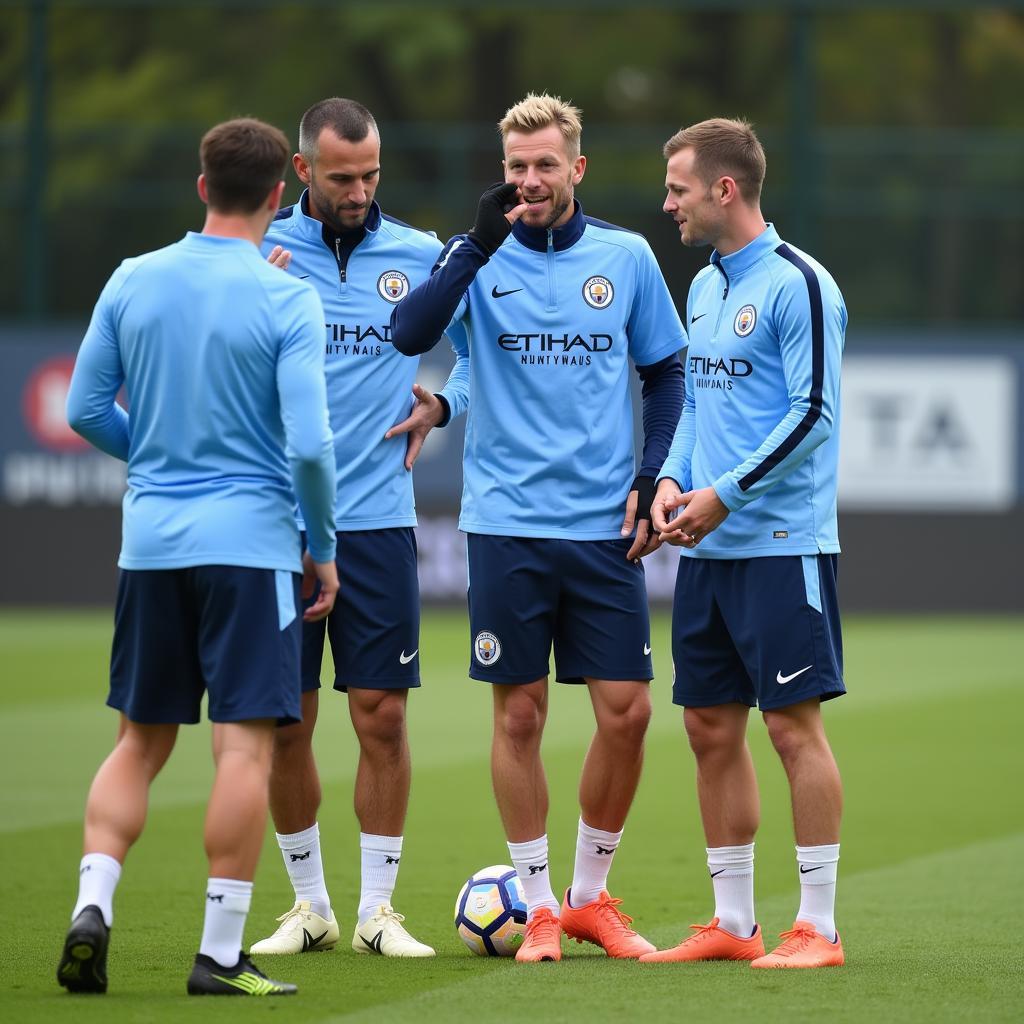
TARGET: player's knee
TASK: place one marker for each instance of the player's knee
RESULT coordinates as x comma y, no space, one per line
384,725
790,736
520,721
709,735
629,724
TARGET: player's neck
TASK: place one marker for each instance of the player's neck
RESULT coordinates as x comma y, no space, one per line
235,225
745,227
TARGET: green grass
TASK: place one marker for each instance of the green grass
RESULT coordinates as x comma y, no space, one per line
930,890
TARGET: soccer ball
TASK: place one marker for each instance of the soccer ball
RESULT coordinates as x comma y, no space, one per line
490,913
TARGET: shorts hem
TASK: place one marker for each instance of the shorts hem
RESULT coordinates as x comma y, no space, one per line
143,719
279,715
822,695
379,683
707,702
620,676
516,680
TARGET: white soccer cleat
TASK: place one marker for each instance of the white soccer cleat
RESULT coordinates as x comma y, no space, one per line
383,933
301,931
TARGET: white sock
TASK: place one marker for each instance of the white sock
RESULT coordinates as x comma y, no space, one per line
531,863
98,876
301,852
379,856
818,868
732,875
227,906
594,852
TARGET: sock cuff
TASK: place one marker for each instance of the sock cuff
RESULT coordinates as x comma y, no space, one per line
230,893
100,862
532,850
293,840
730,861
818,854
598,835
371,843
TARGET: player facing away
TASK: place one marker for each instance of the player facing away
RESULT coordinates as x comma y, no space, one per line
555,304
748,492
361,263
221,356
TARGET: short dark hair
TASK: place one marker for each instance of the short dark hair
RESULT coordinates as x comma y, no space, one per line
723,146
242,160
348,119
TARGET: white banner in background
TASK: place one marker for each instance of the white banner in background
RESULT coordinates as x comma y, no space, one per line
928,433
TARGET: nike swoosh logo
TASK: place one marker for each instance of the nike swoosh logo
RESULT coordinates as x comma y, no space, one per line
308,942
782,680
714,873
302,277
406,658
804,871
694,319
647,648
495,294
375,943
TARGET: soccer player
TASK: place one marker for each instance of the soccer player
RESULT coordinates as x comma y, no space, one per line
748,492
221,356
362,263
555,305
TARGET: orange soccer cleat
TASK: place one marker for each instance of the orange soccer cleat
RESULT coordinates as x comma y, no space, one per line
709,942
602,923
543,940
804,946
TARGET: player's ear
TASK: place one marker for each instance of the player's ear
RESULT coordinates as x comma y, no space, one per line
579,168
727,190
274,199
301,168
201,188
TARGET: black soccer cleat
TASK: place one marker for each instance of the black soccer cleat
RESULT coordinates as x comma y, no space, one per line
208,978
83,964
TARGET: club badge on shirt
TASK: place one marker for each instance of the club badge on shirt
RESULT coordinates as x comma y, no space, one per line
393,285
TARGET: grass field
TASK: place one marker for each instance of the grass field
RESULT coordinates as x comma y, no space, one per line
930,884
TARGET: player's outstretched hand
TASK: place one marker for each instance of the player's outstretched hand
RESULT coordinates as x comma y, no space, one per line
703,511
499,208
280,257
638,514
427,412
326,574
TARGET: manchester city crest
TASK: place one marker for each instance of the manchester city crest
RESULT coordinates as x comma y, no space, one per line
745,320
393,285
598,292
486,648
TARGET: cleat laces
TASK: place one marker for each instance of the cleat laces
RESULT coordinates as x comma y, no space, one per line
543,928
611,915
794,941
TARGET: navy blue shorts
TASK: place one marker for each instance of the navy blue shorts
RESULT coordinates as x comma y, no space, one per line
224,629
529,593
756,631
375,625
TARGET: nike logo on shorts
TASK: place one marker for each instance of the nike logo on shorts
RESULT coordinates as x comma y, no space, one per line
406,658
782,680
647,648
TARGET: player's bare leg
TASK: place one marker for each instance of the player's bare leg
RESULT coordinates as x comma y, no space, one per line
520,785
611,773
237,812
295,792
384,771
730,807
115,812
798,735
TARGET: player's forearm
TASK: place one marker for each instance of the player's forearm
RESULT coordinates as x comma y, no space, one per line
455,393
680,454
104,427
420,319
663,393
315,488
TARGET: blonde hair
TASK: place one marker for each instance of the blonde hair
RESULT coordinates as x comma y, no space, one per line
538,110
722,146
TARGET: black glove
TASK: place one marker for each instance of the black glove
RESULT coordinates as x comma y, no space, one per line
491,228
645,487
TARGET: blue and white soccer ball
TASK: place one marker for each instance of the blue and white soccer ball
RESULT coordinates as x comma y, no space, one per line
490,913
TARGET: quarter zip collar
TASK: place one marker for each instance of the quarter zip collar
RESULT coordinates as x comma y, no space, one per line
562,238
737,263
314,229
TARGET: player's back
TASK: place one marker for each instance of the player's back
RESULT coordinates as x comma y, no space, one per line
200,327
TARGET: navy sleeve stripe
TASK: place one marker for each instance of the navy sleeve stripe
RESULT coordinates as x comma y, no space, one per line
611,227
284,213
813,414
